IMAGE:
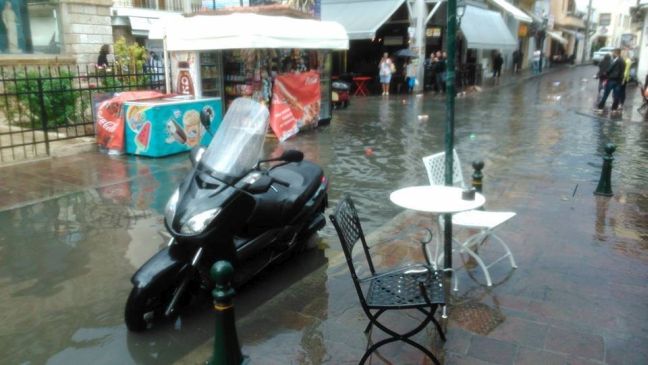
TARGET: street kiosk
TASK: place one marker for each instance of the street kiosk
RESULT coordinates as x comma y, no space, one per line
279,60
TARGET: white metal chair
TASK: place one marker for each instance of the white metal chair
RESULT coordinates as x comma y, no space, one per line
485,221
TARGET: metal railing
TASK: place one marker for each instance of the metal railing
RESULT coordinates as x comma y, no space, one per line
40,105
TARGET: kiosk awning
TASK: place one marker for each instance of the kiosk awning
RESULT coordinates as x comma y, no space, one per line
485,29
360,18
246,30
513,10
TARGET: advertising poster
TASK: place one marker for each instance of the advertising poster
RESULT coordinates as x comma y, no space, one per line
109,123
164,127
295,103
14,28
183,73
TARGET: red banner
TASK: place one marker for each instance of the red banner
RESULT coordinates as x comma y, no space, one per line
295,103
110,118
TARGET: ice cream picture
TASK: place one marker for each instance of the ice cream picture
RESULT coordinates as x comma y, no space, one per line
176,133
143,137
191,121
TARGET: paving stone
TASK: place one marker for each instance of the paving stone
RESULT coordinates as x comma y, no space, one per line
586,345
492,350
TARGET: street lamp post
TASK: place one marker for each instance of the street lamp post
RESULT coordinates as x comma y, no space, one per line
451,41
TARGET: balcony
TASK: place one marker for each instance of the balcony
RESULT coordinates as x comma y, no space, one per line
163,5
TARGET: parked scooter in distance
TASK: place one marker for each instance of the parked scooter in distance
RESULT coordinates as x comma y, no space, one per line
229,208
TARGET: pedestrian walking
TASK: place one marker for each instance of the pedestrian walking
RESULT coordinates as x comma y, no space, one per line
624,82
536,61
410,76
385,70
439,70
614,75
498,61
601,75
429,79
517,61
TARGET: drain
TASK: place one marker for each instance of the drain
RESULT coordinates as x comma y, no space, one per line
477,317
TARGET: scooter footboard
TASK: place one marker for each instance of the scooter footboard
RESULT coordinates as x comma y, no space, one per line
160,270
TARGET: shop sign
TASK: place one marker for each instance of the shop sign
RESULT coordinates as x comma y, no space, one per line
295,103
393,41
433,32
523,30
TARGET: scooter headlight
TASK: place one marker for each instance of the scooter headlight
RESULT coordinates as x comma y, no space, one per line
170,210
198,222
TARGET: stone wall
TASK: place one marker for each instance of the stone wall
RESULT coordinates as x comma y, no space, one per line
86,26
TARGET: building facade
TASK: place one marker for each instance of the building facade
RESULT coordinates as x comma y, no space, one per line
63,31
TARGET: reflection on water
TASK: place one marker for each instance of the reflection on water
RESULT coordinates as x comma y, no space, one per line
65,263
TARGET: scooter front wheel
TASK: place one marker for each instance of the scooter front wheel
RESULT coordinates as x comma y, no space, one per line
141,308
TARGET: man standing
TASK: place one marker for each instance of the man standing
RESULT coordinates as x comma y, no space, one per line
614,77
498,61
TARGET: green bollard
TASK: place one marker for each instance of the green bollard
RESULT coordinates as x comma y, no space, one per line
226,346
477,176
604,187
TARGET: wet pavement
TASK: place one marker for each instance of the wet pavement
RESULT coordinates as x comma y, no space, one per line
73,230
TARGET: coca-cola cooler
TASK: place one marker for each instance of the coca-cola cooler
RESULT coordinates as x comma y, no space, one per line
162,127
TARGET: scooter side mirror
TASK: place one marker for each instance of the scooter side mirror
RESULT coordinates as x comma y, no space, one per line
292,156
196,154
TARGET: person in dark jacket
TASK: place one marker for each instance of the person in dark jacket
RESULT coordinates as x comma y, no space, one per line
102,60
498,61
601,76
614,76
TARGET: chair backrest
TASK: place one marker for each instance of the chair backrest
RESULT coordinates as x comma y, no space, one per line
347,224
435,167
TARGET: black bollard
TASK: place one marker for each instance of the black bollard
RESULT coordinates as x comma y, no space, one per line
604,187
477,176
226,346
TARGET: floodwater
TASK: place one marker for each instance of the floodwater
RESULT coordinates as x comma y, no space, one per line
66,259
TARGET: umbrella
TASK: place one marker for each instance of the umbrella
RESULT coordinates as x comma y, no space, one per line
406,52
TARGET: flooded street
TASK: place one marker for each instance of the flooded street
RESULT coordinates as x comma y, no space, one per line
74,230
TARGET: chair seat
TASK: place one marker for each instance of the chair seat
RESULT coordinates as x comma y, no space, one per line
401,290
481,219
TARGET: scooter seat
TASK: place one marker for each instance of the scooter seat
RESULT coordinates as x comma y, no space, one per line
280,204
304,177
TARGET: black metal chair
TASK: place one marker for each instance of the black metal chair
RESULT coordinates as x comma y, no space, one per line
416,287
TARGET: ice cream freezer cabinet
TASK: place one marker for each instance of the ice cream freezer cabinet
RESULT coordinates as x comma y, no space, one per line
162,127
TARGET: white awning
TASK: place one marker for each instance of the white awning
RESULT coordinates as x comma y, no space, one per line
557,36
246,30
485,29
513,10
360,18
575,34
140,26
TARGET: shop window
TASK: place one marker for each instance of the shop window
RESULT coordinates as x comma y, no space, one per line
29,27
605,19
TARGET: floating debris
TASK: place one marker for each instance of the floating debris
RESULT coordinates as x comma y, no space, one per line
368,151
556,83
423,117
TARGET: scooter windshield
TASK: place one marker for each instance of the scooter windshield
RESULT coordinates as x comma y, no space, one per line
238,143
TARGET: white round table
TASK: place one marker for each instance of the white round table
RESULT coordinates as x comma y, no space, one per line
435,199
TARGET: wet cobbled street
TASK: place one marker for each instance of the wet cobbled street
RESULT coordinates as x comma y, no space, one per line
74,229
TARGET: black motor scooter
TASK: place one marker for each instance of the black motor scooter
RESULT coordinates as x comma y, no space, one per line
229,208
